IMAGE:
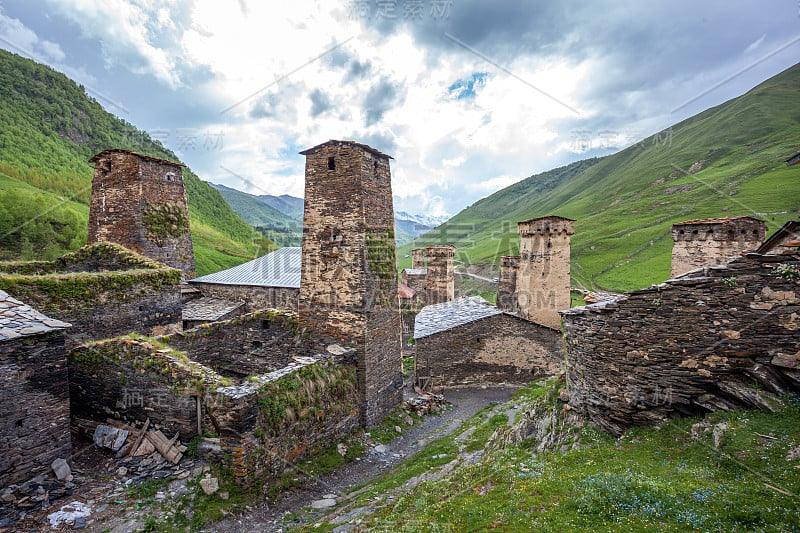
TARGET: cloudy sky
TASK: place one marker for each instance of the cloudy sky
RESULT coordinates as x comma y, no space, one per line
469,96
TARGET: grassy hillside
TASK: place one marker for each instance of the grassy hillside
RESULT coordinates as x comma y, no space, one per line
49,128
284,228
725,161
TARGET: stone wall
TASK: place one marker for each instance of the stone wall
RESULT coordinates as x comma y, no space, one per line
720,338
507,287
256,343
543,277
440,282
140,202
698,243
138,295
416,280
254,297
349,272
34,406
497,349
269,425
132,380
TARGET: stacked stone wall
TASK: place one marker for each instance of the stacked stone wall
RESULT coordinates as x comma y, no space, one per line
703,244
34,406
507,286
440,282
255,298
722,338
497,349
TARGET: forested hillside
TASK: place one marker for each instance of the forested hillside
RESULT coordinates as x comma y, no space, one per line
49,128
725,161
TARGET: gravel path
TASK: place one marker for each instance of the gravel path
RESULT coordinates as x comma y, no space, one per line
466,402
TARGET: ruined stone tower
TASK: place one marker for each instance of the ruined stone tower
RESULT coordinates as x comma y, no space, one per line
418,258
712,241
440,281
507,287
139,202
349,276
544,268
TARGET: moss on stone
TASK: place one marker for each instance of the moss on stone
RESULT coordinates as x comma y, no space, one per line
166,220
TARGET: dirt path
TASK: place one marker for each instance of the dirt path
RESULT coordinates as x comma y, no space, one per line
466,402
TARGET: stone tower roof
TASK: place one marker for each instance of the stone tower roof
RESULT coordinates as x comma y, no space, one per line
369,149
96,157
20,320
715,220
550,217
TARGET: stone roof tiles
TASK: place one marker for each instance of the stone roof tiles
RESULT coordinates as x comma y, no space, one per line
209,309
351,143
280,268
20,320
441,317
715,220
96,156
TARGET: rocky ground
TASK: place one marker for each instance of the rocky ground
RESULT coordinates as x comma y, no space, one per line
95,495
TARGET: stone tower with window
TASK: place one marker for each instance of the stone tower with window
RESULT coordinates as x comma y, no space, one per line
507,286
139,202
713,241
349,275
440,280
543,275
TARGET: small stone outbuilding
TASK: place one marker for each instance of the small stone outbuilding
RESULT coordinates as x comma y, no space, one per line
470,342
34,392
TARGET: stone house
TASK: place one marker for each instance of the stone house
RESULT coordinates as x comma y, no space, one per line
34,392
269,281
470,342
206,309
786,239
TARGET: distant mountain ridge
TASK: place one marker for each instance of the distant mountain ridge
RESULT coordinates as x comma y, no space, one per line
280,218
725,161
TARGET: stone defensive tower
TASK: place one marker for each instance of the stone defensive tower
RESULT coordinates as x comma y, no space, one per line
440,281
712,241
139,202
418,257
544,268
507,287
349,275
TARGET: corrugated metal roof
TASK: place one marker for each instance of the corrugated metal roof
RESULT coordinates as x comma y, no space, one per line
416,271
208,308
20,320
440,317
280,268
715,220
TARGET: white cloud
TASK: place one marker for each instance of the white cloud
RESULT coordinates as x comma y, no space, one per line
20,39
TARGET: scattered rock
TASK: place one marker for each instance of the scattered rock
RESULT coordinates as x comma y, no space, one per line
329,496
210,485
61,469
122,471
398,429
324,503
793,454
109,437
69,513
718,434
380,448
342,449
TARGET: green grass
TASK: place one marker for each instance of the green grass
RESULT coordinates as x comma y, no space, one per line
625,203
650,479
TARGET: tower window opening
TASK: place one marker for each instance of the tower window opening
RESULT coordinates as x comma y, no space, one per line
331,163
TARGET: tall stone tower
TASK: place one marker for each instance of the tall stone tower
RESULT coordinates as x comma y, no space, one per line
418,258
507,287
440,281
139,202
349,274
544,268
712,241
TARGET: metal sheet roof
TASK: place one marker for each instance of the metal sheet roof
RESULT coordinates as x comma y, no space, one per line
280,268
440,317
416,271
20,320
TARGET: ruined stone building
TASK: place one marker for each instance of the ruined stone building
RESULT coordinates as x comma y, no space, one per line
139,202
536,283
348,286
713,241
272,280
432,273
467,341
34,392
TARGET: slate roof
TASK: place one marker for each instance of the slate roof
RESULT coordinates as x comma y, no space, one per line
715,220
20,320
209,308
96,157
280,268
795,159
441,317
406,292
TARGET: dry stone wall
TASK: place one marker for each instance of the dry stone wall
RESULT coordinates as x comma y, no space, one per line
254,297
34,406
698,243
497,349
716,338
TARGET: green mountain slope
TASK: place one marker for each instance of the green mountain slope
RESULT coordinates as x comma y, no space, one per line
285,229
725,161
49,128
